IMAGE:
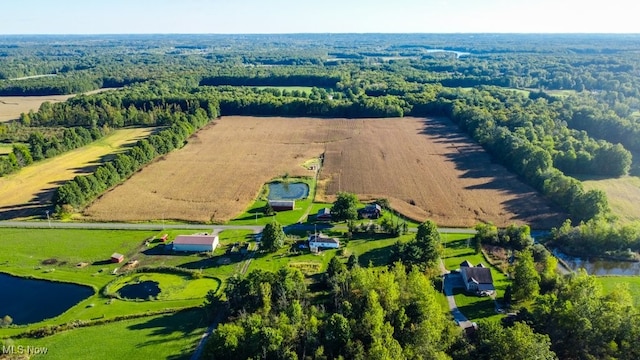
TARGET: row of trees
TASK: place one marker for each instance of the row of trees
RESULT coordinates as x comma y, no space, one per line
83,189
39,147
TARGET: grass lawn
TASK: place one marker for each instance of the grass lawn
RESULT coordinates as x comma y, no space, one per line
172,286
609,283
173,336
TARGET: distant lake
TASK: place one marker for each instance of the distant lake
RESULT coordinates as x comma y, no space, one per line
600,267
30,301
288,191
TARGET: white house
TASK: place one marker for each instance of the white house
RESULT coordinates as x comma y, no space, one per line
195,243
477,279
321,241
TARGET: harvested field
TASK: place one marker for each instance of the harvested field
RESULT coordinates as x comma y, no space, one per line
12,106
425,162
428,169
623,195
29,191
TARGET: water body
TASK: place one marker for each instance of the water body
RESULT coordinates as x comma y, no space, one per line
600,267
30,301
458,53
288,191
142,290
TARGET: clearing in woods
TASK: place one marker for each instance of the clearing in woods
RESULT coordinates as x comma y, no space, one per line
12,106
623,195
426,167
29,191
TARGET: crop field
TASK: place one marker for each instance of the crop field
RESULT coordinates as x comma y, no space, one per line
12,106
28,191
623,195
424,166
428,169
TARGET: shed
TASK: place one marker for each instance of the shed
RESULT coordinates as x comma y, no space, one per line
195,243
282,205
117,258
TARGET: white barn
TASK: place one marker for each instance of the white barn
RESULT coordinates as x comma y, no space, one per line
195,243
321,241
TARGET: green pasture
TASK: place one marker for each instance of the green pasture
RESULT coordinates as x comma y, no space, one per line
54,254
632,283
172,336
70,255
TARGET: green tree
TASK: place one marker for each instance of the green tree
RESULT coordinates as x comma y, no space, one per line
526,280
345,207
273,237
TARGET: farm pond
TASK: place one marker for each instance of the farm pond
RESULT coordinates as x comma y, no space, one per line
600,267
288,191
29,301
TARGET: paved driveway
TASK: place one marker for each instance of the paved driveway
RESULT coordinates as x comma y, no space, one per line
451,281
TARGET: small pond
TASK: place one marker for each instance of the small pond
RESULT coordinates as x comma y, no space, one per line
30,301
142,290
288,191
600,267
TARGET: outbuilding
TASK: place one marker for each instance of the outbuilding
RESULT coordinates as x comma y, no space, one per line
282,205
117,258
195,243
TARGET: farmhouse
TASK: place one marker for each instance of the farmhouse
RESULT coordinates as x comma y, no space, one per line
324,215
371,211
321,241
477,279
117,258
195,243
282,205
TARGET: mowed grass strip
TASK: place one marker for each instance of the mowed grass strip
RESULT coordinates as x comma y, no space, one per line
172,286
173,336
35,184
623,195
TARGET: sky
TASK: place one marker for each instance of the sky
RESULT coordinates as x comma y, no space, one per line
317,16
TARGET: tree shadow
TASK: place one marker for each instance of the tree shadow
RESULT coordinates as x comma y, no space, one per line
376,257
177,325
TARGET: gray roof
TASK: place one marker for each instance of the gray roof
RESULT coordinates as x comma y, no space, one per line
466,263
479,275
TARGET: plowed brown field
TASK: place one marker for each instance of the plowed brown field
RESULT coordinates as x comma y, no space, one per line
426,162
